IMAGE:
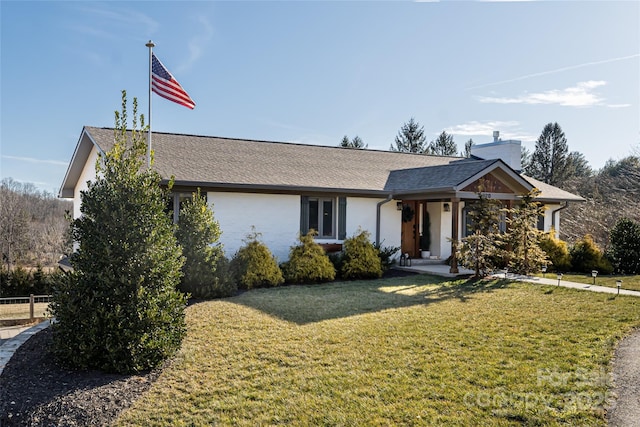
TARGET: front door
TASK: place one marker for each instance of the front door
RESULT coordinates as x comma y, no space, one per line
410,218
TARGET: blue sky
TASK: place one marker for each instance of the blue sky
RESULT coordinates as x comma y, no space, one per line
312,72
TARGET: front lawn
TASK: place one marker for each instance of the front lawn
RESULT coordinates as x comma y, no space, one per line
402,351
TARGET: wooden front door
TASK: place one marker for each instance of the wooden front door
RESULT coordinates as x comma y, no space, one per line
409,238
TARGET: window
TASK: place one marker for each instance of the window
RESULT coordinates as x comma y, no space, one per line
319,213
176,201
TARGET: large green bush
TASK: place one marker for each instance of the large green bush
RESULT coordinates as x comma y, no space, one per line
308,263
205,272
120,310
557,251
254,265
361,259
625,247
587,256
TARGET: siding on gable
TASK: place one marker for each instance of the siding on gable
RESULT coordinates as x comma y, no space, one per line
88,174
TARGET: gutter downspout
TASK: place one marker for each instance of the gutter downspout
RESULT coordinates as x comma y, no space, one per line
553,218
378,206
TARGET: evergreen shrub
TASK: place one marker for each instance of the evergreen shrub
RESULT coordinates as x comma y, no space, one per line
625,247
205,271
361,259
557,251
254,265
587,256
119,310
308,262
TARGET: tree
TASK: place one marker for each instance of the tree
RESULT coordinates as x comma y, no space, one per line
14,222
525,158
410,138
467,149
523,236
625,247
119,310
549,159
578,166
204,270
356,142
444,145
480,250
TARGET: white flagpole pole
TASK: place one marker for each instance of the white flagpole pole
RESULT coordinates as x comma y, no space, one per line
150,45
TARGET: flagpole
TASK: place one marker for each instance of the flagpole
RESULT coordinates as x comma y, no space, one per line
150,45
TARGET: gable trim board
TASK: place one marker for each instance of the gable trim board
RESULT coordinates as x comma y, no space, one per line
265,184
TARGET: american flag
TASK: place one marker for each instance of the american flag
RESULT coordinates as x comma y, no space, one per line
165,85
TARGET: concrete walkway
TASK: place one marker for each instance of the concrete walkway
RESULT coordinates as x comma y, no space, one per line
443,270
13,337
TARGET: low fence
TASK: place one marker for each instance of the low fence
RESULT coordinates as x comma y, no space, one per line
17,309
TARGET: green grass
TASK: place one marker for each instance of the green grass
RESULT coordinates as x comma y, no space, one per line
405,351
628,282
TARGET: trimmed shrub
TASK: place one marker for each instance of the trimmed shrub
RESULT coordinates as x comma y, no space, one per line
361,260
205,271
557,251
625,247
587,256
308,263
120,311
254,265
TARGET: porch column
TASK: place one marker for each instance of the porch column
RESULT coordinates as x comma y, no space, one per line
455,205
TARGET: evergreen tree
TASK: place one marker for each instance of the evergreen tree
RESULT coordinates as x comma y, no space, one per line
444,145
549,159
119,310
625,247
205,272
410,138
356,142
480,250
578,166
523,236
467,149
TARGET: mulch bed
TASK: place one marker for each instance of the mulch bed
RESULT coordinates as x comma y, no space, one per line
36,391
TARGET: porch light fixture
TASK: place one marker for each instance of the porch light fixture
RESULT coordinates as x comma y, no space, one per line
559,278
619,285
399,206
594,274
447,207
544,270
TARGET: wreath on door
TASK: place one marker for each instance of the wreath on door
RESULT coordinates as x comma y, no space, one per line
407,213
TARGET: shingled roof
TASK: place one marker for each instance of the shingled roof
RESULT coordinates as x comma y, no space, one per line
250,165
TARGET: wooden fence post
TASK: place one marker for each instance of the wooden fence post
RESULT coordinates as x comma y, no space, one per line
31,307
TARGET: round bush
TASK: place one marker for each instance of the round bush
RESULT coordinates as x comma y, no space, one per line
254,265
361,259
308,263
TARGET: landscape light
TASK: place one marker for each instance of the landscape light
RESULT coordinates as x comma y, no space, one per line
594,273
559,278
619,285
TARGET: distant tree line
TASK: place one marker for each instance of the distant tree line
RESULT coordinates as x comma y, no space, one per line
33,227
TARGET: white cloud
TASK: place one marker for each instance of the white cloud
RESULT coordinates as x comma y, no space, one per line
38,161
580,95
508,130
